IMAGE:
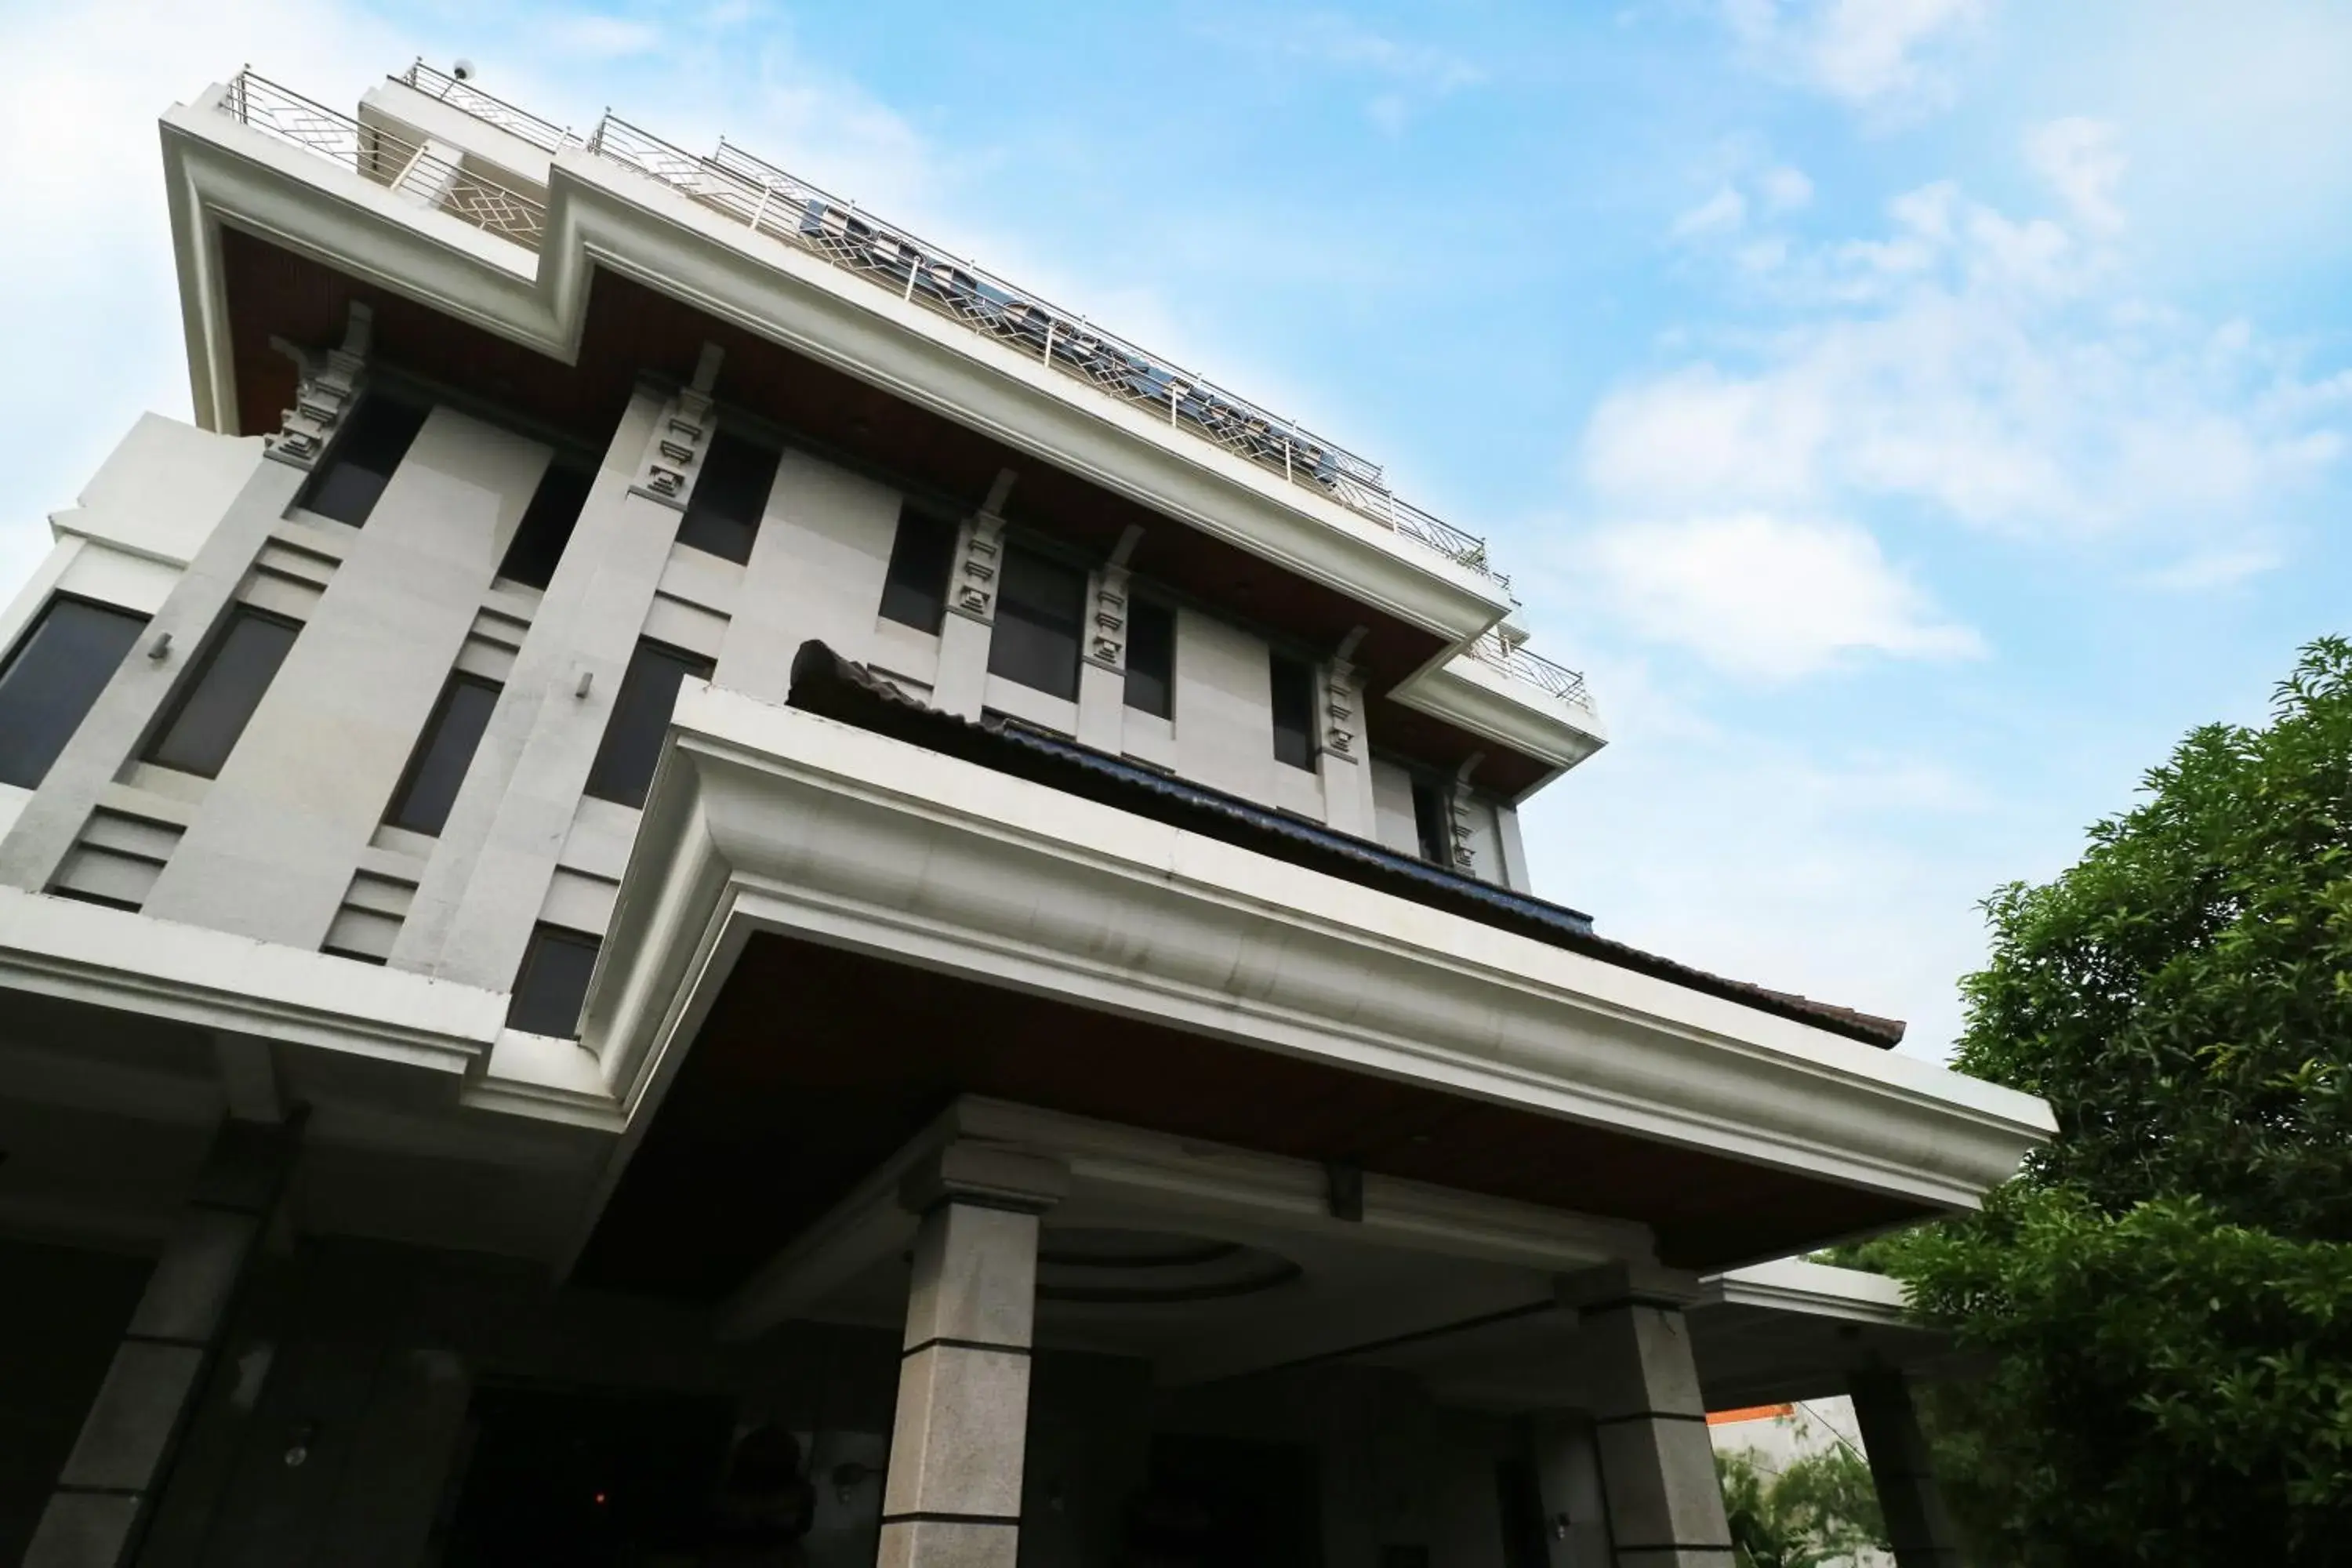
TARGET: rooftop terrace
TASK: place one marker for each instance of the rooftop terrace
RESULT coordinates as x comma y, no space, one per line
771,201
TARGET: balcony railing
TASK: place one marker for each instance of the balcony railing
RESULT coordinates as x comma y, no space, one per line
768,201
1511,656
543,134
419,171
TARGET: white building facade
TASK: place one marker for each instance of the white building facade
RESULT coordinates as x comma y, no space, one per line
691,880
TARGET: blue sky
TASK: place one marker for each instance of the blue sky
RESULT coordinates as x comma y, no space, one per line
1914,414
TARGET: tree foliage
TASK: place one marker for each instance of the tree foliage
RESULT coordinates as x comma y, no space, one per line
2165,1294
1822,1508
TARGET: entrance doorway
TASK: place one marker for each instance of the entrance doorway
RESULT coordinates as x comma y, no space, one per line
1224,1502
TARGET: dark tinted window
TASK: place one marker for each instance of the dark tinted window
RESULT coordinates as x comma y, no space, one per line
625,764
1041,608
443,754
1152,657
1432,824
915,593
547,522
1294,712
722,515
48,684
360,460
213,705
556,967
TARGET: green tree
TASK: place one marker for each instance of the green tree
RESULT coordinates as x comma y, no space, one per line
1822,1507
2166,1293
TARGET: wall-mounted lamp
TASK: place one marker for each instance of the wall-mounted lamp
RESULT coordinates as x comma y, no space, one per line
587,680
160,647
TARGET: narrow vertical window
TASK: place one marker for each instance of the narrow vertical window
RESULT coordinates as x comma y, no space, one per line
1433,823
553,982
361,459
1294,712
1041,608
547,522
51,678
444,752
914,593
216,702
1152,659
722,515
623,769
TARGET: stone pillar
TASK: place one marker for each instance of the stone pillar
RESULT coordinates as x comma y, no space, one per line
952,1498
1917,1525
1657,1463
105,1493
1102,666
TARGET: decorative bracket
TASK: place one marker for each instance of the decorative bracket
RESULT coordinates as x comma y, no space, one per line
673,462
327,388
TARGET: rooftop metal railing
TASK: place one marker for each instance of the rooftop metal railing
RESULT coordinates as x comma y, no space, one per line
412,169
1510,656
768,201
543,134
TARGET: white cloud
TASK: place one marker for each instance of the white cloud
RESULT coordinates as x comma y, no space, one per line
1335,40
1769,597
2083,160
2213,568
603,37
1723,213
1784,188
1877,55
1983,367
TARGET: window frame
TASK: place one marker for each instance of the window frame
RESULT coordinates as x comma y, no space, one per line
544,934
1309,734
425,737
1138,604
696,515
700,666
941,528
192,681
32,630
336,457
1024,556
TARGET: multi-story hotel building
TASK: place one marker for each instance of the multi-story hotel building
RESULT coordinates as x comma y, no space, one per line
691,884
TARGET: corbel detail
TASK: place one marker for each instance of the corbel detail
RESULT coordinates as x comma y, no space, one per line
1457,811
980,556
1106,619
326,386
1342,694
673,461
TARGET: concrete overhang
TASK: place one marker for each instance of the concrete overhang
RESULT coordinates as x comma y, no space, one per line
603,217
770,824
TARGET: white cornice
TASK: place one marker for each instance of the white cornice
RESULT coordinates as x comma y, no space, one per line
1811,1290
767,818
218,171
215,980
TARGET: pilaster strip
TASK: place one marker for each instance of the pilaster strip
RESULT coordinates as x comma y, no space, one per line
943,1341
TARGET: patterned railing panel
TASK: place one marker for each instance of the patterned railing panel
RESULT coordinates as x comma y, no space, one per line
543,134
390,160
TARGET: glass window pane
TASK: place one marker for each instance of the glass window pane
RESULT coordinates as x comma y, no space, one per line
722,515
1294,712
443,754
915,593
623,769
361,462
556,969
49,683
1040,607
547,522
218,700
1152,659
1432,824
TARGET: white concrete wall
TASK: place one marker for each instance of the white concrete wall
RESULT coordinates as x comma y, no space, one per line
286,845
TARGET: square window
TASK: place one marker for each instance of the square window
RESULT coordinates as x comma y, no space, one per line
361,459
553,982
915,590
1041,608
729,497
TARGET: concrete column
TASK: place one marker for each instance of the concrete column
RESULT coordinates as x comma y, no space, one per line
118,1464
952,1498
970,623
1102,669
1905,1472
1658,1464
